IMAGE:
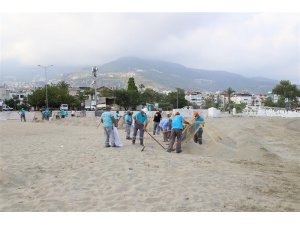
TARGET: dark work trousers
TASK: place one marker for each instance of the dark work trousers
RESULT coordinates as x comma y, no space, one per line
128,127
175,133
156,128
198,136
139,127
23,118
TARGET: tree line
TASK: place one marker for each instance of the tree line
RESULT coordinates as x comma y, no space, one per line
287,95
132,96
128,98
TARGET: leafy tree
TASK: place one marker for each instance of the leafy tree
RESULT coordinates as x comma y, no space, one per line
209,102
63,85
80,96
240,107
24,106
269,102
173,96
13,102
131,85
286,90
165,106
37,98
122,98
281,102
57,94
89,91
151,96
134,99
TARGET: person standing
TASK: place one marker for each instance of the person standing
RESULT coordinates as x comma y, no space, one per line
156,121
64,113
117,118
46,114
199,124
1,105
140,122
128,123
22,114
108,120
73,112
166,125
176,132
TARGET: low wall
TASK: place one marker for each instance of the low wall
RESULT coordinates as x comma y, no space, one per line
14,115
265,112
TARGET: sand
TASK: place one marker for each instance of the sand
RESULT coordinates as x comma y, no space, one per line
244,164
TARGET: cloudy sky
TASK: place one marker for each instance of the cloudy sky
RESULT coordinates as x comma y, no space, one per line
251,44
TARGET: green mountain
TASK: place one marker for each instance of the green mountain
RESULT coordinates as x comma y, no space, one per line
163,75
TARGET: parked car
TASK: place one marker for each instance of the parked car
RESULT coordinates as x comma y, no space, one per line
64,107
7,108
90,108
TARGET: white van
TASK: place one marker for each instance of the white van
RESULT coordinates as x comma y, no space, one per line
64,107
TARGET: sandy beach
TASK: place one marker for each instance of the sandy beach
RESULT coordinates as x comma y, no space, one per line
244,164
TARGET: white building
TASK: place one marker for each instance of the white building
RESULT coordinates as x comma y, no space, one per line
166,92
4,92
20,95
243,97
273,96
195,97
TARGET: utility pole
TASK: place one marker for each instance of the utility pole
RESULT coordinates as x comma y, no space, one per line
45,69
177,98
94,70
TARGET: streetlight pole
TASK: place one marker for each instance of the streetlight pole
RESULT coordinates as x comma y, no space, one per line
45,70
94,70
177,98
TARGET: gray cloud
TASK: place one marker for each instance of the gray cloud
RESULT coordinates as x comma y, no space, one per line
250,44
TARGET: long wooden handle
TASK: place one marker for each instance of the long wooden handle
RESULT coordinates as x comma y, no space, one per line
155,140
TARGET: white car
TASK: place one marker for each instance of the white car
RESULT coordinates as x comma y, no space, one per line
90,108
64,107
7,108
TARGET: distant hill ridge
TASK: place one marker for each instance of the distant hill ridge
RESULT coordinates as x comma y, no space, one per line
164,75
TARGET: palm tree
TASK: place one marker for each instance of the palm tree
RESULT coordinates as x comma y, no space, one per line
229,91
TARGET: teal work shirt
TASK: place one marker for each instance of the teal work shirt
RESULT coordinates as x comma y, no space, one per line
177,122
107,119
197,120
128,119
140,118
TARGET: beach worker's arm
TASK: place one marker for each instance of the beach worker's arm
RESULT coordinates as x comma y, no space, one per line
198,124
115,122
202,123
135,120
185,121
146,124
